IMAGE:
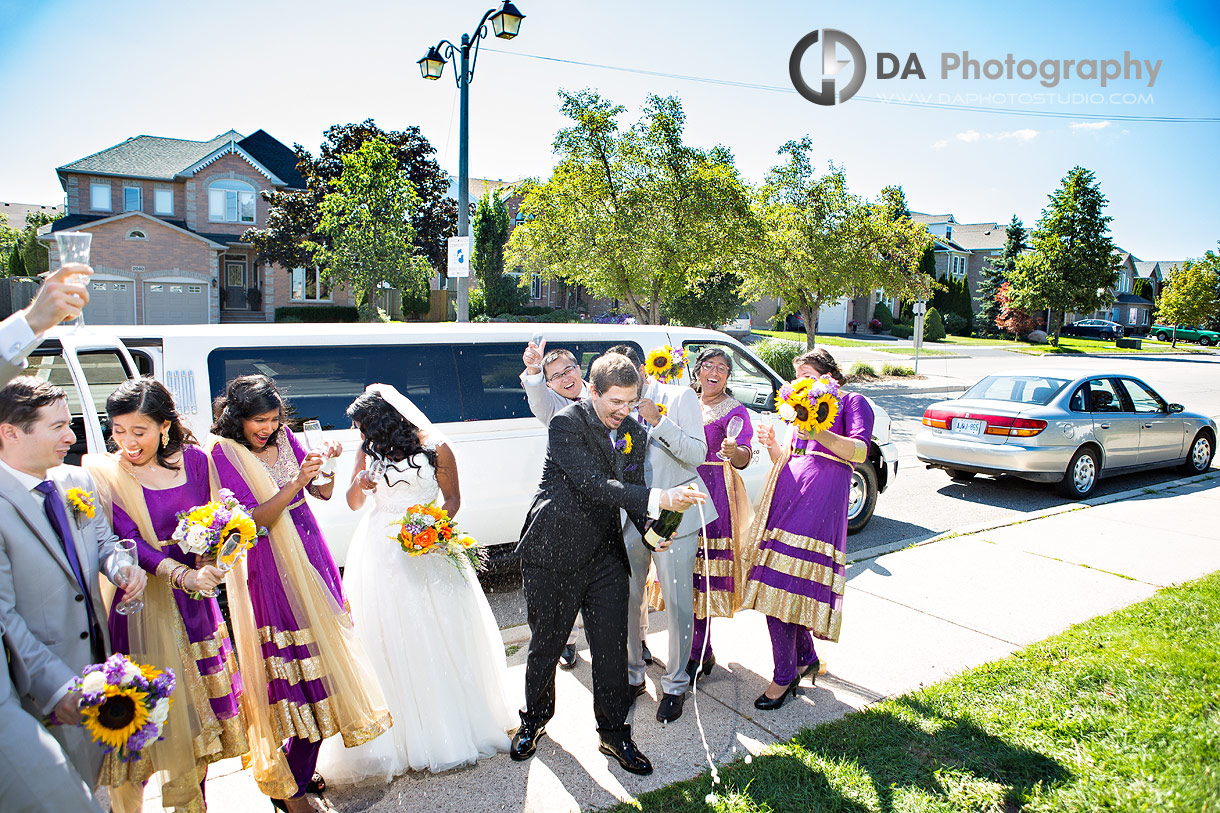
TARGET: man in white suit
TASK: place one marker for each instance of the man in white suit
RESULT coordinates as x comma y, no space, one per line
56,301
50,557
676,447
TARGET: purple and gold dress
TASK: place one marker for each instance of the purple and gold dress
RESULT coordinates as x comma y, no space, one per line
301,711
799,571
719,592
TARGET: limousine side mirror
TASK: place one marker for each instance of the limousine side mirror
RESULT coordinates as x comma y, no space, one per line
1175,408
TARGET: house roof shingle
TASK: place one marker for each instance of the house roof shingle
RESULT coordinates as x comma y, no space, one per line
16,212
979,236
1145,269
146,156
272,154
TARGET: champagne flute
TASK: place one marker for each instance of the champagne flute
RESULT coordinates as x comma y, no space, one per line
74,248
375,471
313,439
125,557
732,431
225,560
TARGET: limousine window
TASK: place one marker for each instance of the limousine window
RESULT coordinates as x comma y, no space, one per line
104,371
322,382
750,383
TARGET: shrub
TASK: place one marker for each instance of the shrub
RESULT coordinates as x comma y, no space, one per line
956,324
901,330
897,370
476,302
534,310
875,326
861,371
933,326
316,313
882,313
559,316
778,355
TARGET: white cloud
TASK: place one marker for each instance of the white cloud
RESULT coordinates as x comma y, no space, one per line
974,136
940,145
1090,125
969,136
1019,135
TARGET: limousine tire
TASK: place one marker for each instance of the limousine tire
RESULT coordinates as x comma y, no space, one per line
862,499
1199,457
1082,473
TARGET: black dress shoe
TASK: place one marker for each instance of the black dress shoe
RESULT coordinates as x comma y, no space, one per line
647,654
811,672
693,666
525,741
567,658
636,691
670,707
627,755
771,703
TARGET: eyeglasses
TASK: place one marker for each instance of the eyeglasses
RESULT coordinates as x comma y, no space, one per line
707,366
566,371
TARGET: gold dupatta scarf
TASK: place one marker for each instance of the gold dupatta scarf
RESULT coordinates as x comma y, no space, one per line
157,637
356,701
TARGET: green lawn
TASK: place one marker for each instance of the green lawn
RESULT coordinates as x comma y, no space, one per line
880,345
1069,345
1119,713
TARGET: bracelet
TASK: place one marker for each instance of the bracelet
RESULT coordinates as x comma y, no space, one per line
178,577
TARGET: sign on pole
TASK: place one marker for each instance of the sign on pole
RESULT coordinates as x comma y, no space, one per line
459,256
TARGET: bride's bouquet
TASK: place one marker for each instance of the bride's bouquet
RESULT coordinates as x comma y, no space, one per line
428,529
124,705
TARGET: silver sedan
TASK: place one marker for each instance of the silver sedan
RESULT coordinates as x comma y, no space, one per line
1063,427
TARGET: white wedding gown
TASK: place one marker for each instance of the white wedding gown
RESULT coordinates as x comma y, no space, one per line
432,641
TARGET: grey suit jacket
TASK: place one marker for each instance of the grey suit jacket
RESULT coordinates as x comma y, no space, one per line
676,447
42,607
545,402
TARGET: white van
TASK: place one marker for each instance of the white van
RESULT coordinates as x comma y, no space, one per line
465,377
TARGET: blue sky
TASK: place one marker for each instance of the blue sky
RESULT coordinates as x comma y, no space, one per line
84,76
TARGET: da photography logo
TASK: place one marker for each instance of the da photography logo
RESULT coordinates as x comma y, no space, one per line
831,66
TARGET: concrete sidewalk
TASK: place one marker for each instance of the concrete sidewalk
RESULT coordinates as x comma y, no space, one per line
911,618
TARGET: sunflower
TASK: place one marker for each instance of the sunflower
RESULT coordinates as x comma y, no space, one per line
658,362
627,443
113,721
81,501
823,412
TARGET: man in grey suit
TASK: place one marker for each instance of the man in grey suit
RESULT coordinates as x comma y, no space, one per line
50,557
56,301
676,447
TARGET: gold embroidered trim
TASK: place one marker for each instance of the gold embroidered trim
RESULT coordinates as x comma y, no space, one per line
294,670
716,543
713,568
309,721
359,737
719,409
721,604
799,568
817,616
803,451
218,684
804,543
296,504
285,638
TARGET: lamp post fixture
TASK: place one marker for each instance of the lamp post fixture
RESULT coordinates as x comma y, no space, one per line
505,24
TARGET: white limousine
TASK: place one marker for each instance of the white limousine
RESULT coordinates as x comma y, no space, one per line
465,377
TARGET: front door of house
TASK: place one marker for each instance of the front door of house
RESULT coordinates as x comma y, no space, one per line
235,285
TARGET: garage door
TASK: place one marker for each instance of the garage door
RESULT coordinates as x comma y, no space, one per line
111,303
175,303
833,318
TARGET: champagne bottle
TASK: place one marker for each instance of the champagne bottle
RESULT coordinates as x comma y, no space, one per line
663,527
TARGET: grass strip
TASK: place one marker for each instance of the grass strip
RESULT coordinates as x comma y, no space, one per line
1118,713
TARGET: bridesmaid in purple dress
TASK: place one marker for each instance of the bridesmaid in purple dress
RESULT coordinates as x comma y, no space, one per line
157,471
299,620
718,593
798,576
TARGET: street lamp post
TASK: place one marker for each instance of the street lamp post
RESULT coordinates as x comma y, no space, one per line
505,24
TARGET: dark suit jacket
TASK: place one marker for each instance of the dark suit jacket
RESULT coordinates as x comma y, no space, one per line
575,513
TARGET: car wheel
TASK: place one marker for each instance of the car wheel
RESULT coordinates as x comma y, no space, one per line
1081,476
960,476
1199,458
1164,337
862,499
1203,340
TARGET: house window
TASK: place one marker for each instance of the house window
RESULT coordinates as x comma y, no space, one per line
99,286
535,287
137,234
157,289
163,201
175,289
309,286
194,289
957,267
120,286
231,202
133,199
99,197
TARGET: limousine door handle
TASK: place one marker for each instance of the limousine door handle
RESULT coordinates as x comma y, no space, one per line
1148,426
1104,426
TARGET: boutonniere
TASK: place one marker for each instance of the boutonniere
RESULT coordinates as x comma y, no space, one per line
662,409
623,444
82,503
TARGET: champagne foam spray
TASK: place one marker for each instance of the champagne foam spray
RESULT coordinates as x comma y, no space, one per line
707,613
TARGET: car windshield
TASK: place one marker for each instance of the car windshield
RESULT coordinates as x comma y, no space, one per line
1022,389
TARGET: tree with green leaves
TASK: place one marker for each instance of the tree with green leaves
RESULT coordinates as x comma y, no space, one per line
16,264
293,220
1189,298
366,226
501,293
635,215
1073,265
709,302
995,273
822,243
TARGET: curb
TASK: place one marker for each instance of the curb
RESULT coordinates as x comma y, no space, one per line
866,389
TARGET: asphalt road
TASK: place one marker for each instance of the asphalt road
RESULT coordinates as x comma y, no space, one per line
922,503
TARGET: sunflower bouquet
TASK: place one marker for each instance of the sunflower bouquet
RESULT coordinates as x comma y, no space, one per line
124,705
810,404
666,364
428,529
204,529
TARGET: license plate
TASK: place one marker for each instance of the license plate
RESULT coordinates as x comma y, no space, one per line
969,426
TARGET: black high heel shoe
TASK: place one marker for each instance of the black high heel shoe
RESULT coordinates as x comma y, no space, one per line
771,704
278,804
811,672
693,667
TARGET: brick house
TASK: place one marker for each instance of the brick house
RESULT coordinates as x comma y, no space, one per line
167,217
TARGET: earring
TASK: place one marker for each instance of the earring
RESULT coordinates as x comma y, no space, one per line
165,437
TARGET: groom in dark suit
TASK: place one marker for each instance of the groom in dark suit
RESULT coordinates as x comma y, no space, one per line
573,558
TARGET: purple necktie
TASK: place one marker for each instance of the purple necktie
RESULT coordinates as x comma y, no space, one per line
53,504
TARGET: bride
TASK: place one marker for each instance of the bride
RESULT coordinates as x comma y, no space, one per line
425,623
